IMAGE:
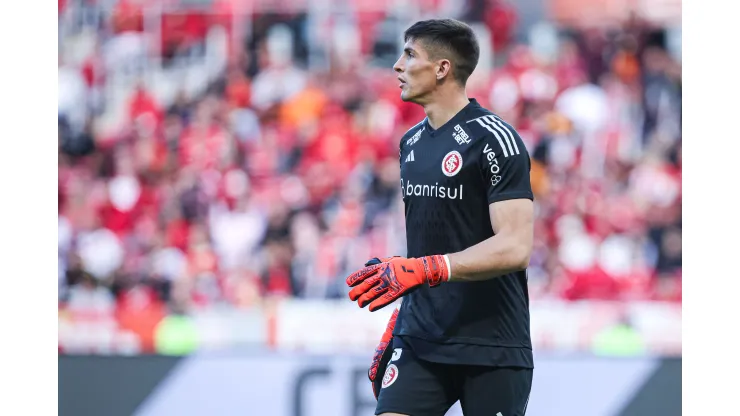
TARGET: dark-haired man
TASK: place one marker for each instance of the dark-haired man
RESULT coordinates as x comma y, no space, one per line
462,332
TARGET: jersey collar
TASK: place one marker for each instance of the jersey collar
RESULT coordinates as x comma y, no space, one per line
472,103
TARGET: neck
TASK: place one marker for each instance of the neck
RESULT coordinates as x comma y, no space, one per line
445,106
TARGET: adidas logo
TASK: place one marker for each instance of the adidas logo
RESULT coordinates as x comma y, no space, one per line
410,157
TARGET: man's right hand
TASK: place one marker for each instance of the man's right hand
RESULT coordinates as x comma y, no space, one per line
383,354
377,260
383,351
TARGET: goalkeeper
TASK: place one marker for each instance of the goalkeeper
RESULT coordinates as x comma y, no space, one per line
462,331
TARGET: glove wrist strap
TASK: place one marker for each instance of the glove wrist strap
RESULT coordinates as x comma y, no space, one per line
436,270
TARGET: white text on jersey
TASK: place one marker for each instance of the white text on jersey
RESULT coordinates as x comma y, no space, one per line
433,191
460,136
493,164
415,137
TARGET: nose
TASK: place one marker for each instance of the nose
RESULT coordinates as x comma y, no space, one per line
398,65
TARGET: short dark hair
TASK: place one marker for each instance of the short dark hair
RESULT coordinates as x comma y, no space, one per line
449,39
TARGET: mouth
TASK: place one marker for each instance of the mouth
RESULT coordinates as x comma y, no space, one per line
402,82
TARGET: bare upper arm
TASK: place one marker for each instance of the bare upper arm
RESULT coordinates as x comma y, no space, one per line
515,218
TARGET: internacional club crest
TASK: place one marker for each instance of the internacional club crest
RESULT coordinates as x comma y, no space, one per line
452,163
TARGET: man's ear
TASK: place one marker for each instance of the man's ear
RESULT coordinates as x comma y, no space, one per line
444,69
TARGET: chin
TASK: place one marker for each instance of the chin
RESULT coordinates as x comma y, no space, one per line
405,96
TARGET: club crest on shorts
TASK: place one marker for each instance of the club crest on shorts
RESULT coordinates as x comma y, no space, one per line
452,163
390,376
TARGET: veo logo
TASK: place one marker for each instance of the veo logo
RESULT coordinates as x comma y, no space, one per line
492,164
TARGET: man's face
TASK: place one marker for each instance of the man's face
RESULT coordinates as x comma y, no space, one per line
416,73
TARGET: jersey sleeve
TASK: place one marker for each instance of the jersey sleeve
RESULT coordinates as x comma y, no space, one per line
504,162
400,152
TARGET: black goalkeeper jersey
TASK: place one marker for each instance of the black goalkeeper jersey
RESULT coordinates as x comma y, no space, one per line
449,177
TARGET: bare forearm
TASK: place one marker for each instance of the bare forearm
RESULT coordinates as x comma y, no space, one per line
494,257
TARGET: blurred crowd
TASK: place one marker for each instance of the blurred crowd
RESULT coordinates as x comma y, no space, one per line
279,181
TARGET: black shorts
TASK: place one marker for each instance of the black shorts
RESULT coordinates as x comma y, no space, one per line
415,387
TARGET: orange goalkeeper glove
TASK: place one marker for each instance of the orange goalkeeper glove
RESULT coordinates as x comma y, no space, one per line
382,355
380,284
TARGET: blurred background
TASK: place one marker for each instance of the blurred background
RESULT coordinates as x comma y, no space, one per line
225,164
